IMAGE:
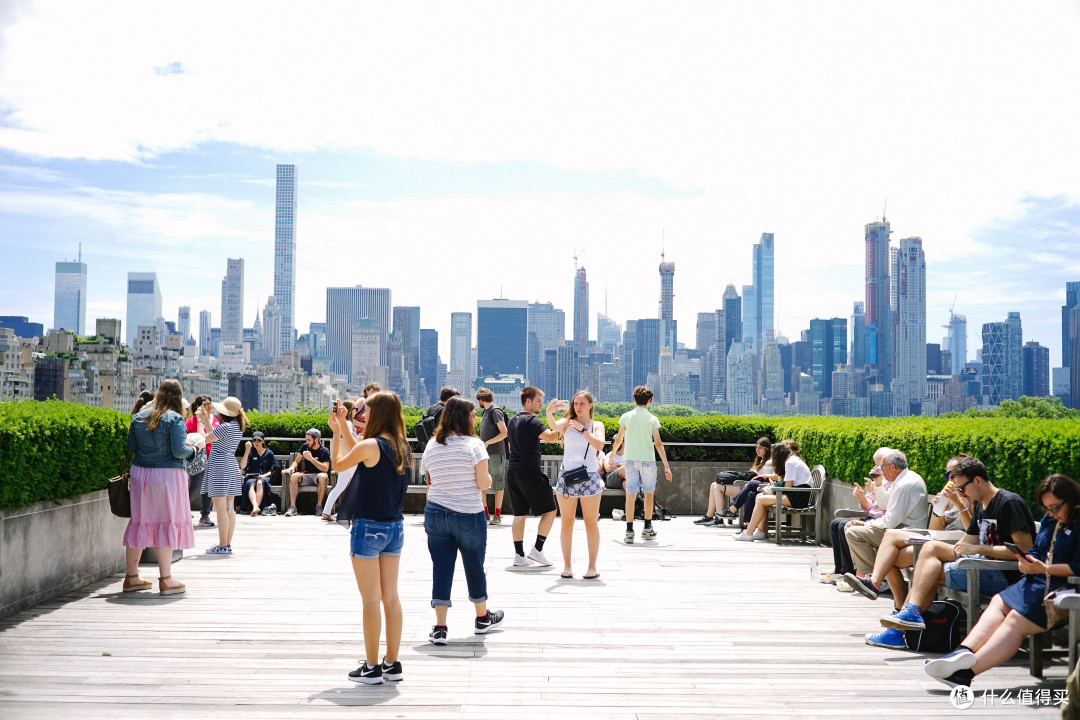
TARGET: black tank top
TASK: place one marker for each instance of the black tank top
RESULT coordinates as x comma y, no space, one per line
376,493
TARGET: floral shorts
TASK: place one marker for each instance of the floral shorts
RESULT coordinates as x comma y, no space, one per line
593,486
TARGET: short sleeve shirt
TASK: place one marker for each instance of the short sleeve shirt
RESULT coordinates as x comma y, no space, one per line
259,464
1005,514
523,431
489,428
639,424
451,470
322,454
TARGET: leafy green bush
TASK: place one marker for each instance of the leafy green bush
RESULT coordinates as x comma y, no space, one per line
52,450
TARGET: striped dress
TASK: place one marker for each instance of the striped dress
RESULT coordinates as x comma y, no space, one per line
222,477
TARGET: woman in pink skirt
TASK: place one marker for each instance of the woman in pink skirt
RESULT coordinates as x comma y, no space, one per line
160,505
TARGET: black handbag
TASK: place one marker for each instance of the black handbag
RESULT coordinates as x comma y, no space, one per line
578,475
120,495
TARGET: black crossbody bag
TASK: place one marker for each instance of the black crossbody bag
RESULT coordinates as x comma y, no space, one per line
578,475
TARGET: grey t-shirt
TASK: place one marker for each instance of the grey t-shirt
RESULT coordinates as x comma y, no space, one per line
489,428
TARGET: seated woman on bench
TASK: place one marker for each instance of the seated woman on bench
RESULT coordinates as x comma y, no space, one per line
790,470
1017,612
724,487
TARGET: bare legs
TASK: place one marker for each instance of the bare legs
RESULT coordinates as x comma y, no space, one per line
164,561
377,580
255,495
226,519
998,635
764,502
590,510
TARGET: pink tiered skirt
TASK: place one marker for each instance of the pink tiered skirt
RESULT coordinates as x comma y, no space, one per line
160,509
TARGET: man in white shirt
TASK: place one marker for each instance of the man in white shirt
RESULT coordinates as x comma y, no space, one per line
908,508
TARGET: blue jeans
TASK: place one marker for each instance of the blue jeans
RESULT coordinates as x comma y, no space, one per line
450,533
747,498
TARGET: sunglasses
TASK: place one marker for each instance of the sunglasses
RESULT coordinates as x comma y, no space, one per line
960,488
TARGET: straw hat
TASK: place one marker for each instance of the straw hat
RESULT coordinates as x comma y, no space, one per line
229,407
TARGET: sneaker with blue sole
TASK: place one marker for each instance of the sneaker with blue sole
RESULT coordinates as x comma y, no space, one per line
946,665
908,618
888,638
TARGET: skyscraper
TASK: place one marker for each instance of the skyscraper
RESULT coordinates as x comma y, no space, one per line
232,302
581,312
183,322
406,330
69,297
1074,354
608,333
1072,299
858,336
828,345
502,334
1014,357
429,365
647,344
143,303
344,306
706,331
740,379
956,342
204,332
878,310
993,360
284,255
910,281
764,252
749,316
566,371
549,324
667,305
1036,370
461,374
733,325
271,335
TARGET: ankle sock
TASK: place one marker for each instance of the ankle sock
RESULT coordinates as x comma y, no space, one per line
648,524
498,512
519,547
629,527
540,539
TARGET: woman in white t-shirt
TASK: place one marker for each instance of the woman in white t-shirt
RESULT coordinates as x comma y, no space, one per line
456,464
790,470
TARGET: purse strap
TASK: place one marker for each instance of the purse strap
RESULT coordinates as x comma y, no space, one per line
1050,558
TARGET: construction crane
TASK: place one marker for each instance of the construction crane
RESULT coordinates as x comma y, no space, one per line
577,254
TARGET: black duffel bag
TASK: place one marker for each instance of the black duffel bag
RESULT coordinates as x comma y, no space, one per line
730,477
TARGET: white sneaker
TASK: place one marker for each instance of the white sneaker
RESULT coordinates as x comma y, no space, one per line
520,560
537,556
842,586
758,535
743,537
829,578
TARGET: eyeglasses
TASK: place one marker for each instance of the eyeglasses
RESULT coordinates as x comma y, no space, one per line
1055,509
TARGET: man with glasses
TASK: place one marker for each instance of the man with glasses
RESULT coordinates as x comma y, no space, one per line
997,516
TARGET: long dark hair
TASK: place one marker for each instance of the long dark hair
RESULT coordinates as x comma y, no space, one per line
759,462
144,397
384,418
454,419
780,454
1064,488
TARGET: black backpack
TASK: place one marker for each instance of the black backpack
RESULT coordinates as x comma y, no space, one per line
425,429
659,512
945,623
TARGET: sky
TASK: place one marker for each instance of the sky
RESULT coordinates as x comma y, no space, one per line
463,151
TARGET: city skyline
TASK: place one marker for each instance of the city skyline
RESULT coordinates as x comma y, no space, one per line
984,177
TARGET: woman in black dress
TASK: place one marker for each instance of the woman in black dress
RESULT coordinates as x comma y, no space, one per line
1017,612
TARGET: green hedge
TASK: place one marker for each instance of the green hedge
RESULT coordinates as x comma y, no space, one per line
52,450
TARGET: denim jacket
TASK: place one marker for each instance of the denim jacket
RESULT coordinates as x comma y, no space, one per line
162,448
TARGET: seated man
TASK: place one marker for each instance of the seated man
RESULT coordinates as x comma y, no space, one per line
257,464
896,553
907,509
309,468
997,516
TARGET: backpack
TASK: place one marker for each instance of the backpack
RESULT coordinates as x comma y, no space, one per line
425,429
945,623
659,512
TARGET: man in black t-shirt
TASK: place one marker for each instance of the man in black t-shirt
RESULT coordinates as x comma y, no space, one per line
997,516
530,491
493,433
309,468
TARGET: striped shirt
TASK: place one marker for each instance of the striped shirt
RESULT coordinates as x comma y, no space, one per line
451,470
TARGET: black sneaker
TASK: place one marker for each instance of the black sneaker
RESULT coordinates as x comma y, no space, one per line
438,635
391,671
205,522
704,520
862,585
959,678
367,675
489,621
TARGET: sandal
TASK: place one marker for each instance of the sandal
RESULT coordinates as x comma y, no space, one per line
164,589
327,518
593,575
567,575
255,512
134,587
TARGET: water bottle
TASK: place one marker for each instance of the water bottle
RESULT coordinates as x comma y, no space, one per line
813,565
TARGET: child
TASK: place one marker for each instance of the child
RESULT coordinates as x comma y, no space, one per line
642,432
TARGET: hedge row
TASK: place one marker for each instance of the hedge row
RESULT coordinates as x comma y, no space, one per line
52,450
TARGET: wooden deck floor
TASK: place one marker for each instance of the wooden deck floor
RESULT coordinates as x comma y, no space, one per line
691,625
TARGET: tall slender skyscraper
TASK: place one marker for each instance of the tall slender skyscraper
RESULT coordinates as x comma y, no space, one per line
993,359
878,310
69,297
285,253
581,312
858,336
956,342
749,317
764,252
143,303
204,332
1036,370
344,306
460,374
667,305
733,325
1014,357
232,302
271,336
183,322
910,282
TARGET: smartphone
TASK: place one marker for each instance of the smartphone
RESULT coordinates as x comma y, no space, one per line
1014,549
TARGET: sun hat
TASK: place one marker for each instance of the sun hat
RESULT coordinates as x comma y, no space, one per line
229,407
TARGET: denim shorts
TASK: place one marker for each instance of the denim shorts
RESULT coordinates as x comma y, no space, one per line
640,475
991,582
370,539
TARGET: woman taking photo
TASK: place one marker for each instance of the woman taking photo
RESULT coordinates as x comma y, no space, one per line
583,439
456,463
372,504
353,413
222,480
160,505
788,469
1018,611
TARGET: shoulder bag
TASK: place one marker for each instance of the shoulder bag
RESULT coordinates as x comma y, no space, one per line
120,495
1053,614
580,474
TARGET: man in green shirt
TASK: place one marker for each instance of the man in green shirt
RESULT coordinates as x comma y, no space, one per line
642,432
